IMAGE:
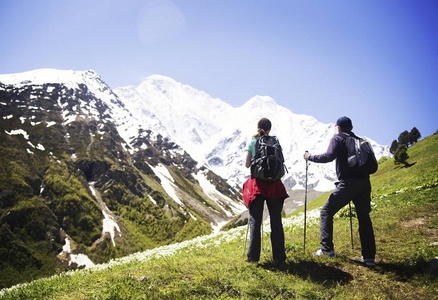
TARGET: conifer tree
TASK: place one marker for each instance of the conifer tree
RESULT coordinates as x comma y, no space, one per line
403,138
401,155
414,135
394,147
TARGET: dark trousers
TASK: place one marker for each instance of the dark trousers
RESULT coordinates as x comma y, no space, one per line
357,190
275,207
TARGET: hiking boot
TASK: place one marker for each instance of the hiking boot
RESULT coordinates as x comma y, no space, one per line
369,262
251,261
330,254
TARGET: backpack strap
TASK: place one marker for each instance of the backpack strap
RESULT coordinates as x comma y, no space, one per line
257,146
345,135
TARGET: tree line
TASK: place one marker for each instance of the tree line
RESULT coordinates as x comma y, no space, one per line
399,147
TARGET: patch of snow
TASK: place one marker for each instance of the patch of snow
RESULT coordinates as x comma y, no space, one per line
66,248
218,227
92,189
81,260
167,182
19,131
210,190
193,217
110,225
152,199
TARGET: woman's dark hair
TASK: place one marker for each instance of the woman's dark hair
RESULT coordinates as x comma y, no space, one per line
263,127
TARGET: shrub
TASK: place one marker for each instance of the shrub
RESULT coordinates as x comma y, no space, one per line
401,155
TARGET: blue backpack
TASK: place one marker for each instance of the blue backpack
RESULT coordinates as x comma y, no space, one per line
361,158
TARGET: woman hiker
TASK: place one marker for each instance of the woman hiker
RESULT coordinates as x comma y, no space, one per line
255,193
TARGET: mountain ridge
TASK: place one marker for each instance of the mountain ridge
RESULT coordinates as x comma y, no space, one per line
67,172
219,143
199,123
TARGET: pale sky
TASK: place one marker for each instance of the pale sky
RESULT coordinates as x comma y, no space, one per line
374,61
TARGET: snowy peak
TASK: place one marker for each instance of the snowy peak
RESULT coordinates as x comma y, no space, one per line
178,94
160,80
69,78
260,102
184,114
215,134
44,76
84,83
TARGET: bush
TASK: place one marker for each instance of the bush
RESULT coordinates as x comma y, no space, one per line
401,155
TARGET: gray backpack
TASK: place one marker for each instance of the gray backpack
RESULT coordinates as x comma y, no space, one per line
361,158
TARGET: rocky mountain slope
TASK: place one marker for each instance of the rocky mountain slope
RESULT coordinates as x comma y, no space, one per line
74,191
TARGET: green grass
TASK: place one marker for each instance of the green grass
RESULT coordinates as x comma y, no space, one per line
421,169
406,229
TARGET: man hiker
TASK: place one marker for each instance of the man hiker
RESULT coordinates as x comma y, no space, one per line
349,187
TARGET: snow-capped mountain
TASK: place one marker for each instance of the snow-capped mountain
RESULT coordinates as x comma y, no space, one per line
211,131
135,120
92,178
215,134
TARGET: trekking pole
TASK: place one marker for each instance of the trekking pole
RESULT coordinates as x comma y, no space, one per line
351,227
247,228
305,207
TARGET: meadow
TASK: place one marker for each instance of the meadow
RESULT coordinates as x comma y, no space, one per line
405,219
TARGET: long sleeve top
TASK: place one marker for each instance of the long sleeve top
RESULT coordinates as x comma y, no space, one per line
336,150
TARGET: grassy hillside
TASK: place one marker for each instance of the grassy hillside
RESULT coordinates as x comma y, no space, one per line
405,210
66,173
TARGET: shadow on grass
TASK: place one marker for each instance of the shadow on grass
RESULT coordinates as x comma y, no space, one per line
311,270
401,272
408,165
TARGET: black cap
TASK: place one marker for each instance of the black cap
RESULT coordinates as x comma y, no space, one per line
344,122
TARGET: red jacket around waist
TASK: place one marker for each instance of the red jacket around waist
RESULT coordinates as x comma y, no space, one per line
253,187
